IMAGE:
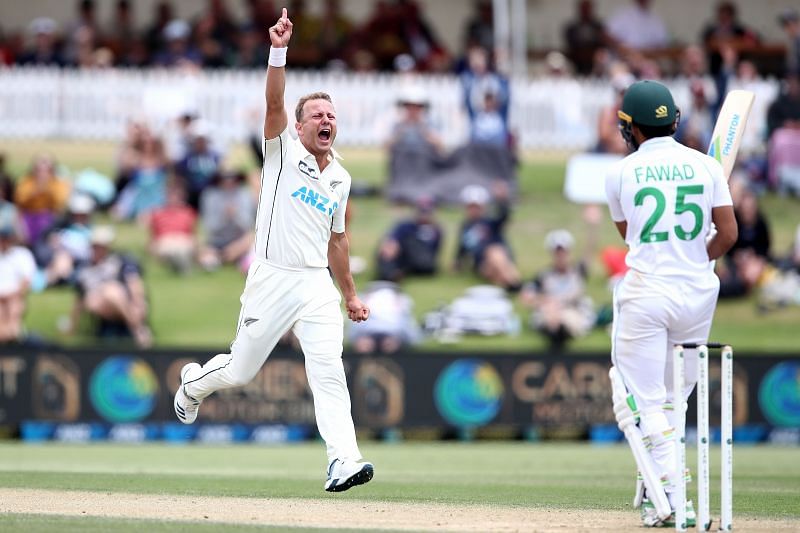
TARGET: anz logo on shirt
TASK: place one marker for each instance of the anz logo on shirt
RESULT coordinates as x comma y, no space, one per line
321,203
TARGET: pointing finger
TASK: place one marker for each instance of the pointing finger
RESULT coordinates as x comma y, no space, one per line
284,14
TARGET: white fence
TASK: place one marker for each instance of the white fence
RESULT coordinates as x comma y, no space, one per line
78,104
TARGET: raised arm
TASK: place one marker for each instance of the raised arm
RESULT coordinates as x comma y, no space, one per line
279,35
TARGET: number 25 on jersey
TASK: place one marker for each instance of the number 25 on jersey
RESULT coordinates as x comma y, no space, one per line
681,206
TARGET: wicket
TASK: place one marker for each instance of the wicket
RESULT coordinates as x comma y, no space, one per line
703,438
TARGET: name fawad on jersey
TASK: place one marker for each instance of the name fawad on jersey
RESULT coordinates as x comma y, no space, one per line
663,173
316,200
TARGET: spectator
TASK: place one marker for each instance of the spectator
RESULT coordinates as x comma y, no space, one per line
478,80
754,231
697,122
423,45
489,122
148,175
726,30
391,325
250,51
201,163
17,268
123,34
172,231
415,149
305,50
67,247
378,40
40,197
480,27
790,22
783,137
744,263
227,212
584,36
178,51
412,246
155,36
45,50
609,141
637,27
481,239
111,290
557,296
335,31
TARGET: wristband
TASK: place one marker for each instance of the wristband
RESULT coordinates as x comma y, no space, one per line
277,56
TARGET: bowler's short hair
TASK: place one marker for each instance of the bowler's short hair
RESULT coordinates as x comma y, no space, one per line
298,111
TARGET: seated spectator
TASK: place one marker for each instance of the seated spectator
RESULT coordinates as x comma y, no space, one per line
147,186
584,36
45,51
481,241
40,196
726,30
784,111
557,296
637,27
178,51
111,290
200,164
479,29
391,325
172,231
227,213
412,246
754,230
17,268
67,248
414,147
745,261
479,79
305,52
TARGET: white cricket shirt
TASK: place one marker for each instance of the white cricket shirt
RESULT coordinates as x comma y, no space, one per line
298,205
665,191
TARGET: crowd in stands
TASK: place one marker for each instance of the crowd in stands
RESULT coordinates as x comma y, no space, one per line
170,180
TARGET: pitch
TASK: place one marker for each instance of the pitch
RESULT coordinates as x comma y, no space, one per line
418,486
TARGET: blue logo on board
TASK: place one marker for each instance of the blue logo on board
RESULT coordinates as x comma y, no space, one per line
468,392
123,389
779,395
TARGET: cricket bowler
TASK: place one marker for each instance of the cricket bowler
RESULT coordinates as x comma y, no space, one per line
663,198
300,232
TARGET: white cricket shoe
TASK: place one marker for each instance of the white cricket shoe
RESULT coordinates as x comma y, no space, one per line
185,406
343,475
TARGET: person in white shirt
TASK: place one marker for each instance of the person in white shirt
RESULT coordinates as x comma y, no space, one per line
17,268
300,232
663,199
638,27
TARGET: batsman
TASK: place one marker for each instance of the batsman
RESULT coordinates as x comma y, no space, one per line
663,198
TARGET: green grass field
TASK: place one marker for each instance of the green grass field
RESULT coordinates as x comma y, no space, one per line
201,310
510,477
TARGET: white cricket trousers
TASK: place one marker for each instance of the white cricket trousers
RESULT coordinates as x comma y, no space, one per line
275,300
651,315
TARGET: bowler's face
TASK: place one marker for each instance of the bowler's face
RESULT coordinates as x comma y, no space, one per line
317,129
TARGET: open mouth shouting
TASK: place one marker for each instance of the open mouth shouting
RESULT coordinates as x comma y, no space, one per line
324,135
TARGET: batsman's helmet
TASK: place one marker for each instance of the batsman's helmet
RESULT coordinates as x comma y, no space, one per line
647,103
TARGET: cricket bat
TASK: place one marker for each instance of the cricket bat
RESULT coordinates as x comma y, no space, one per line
729,129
